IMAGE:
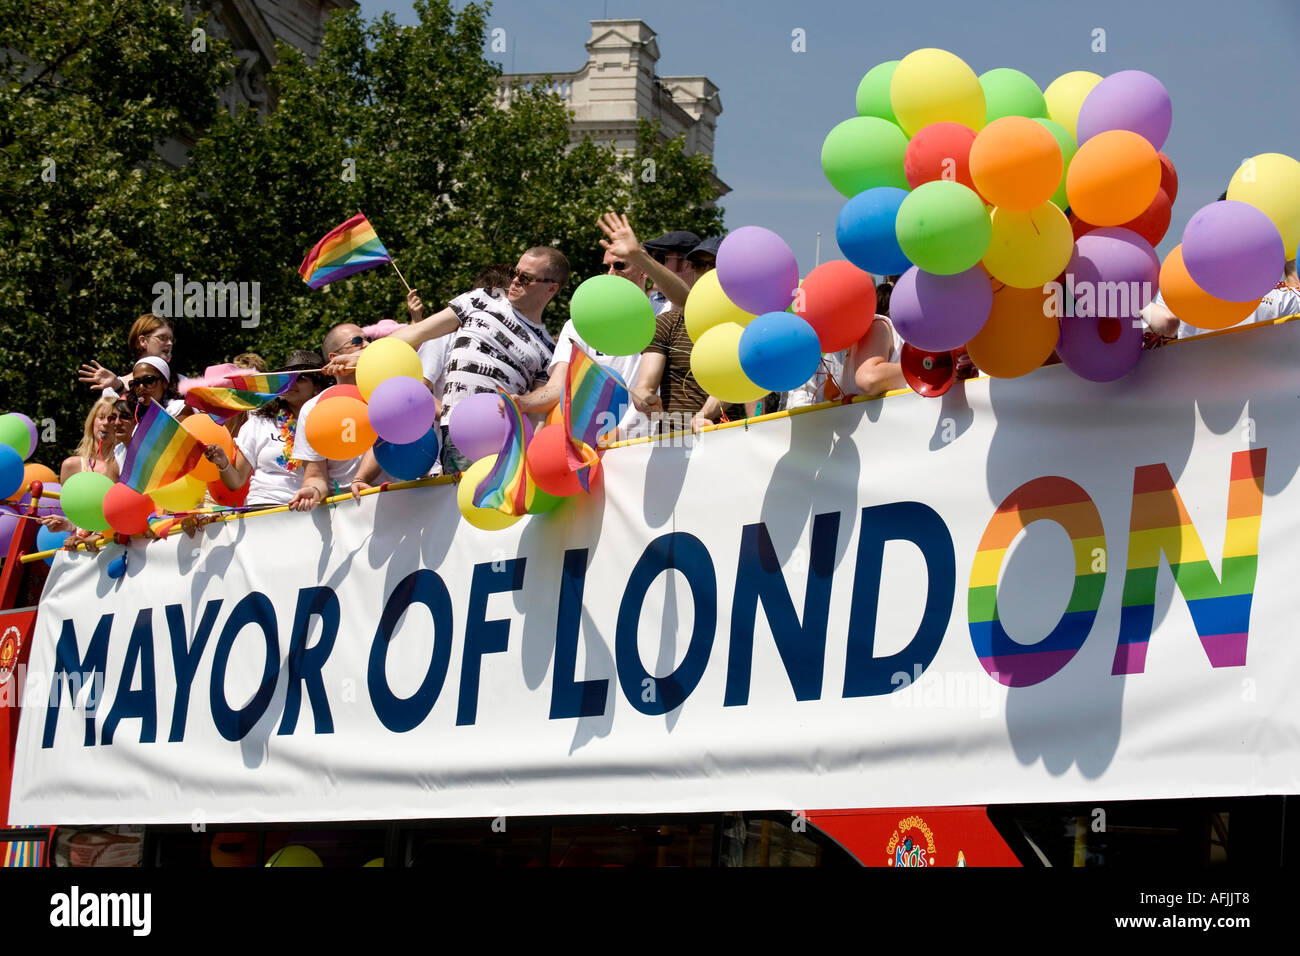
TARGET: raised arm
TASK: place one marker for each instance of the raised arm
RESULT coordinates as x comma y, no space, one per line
623,243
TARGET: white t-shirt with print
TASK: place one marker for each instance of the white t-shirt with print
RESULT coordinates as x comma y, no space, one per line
495,348
259,441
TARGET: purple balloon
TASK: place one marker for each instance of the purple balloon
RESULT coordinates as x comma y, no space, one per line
1131,100
478,429
9,522
31,427
47,505
401,409
757,270
938,313
1113,272
1100,350
1233,251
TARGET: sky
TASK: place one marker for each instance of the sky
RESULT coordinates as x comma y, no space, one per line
1230,69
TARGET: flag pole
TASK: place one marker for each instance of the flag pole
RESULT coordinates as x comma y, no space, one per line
391,262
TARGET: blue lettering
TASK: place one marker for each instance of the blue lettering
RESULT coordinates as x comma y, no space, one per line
254,608
81,672
802,646
481,635
185,660
142,703
305,664
570,697
864,674
400,714
687,554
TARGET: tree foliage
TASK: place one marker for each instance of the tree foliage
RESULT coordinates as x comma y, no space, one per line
403,123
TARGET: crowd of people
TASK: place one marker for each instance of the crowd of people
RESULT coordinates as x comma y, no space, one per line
488,339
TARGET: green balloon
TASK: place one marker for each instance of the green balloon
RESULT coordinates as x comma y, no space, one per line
1009,92
542,502
1068,148
862,153
82,497
612,315
873,92
15,434
294,855
943,227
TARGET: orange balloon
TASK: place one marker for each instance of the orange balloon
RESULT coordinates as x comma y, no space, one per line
339,428
206,430
1019,335
1016,163
1185,299
33,472
1113,178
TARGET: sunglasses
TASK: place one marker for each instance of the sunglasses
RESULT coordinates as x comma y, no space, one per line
146,380
618,266
525,280
115,417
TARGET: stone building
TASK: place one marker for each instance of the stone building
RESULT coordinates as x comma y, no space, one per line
617,86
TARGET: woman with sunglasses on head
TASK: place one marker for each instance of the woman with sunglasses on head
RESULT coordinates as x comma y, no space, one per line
95,451
149,335
266,441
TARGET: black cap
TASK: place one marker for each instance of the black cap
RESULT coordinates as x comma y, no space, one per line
680,242
709,247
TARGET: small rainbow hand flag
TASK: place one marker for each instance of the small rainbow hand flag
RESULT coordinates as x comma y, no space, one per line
346,250
244,394
593,402
507,488
161,451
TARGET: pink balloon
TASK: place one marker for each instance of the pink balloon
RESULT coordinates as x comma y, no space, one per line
401,409
477,428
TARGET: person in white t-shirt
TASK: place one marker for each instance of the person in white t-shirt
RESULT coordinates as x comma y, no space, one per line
267,437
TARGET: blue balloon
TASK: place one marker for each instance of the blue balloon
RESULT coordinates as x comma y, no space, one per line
11,471
779,351
117,567
865,231
412,460
47,540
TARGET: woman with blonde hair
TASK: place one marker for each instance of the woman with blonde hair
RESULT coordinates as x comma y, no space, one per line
95,451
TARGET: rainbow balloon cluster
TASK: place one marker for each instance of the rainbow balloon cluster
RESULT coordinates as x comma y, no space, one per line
1009,210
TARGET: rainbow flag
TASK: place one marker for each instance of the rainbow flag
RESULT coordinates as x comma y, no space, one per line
160,452
267,383
345,250
593,402
224,404
507,488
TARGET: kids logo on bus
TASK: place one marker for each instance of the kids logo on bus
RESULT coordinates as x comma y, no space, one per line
912,844
10,645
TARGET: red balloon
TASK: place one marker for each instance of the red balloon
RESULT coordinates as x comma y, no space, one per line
548,464
1151,225
127,511
351,391
939,151
224,496
1168,178
839,301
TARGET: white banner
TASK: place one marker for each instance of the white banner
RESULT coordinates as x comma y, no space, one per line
800,614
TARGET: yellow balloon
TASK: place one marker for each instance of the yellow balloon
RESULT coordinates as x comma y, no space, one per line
294,855
1029,248
715,363
935,86
708,305
1271,183
384,359
1065,96
183,494
485,519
